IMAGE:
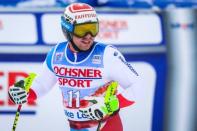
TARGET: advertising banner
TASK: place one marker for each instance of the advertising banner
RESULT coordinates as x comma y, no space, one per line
18,28
134,29
118,29
45,28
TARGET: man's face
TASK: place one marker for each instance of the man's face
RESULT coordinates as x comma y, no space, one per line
83,43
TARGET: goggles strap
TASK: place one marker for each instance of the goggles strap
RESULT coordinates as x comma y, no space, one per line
69,37
75,47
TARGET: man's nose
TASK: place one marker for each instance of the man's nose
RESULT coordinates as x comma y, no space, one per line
88,36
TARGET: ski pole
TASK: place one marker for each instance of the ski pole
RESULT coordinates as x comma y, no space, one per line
28,83
111,90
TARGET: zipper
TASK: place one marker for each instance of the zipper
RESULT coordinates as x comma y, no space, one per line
75,56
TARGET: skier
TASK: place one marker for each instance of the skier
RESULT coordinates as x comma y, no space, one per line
84,70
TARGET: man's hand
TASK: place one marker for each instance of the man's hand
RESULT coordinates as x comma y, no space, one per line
99,108
102,107
17,93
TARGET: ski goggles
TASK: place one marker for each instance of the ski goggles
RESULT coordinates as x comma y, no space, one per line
80,30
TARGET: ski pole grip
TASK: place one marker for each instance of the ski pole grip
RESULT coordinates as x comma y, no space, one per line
29,80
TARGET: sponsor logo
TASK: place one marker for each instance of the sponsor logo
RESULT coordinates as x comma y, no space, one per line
75,77
130,67
68,18
58,56
111,29
80,8
182,25
82,16
75,115
96,59
68,26
115,53
77,72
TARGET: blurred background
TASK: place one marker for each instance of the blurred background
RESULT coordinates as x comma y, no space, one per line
158,37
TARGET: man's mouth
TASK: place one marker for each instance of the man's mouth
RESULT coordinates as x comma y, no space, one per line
86,42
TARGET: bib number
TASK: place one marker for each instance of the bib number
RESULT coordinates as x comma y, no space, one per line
73,95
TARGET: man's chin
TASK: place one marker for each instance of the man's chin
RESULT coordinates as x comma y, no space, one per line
85,48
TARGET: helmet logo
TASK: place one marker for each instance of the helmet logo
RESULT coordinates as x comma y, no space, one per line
65,24
81,16
80,8
68,18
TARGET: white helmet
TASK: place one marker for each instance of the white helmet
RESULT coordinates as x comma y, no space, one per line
79,19
80,13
